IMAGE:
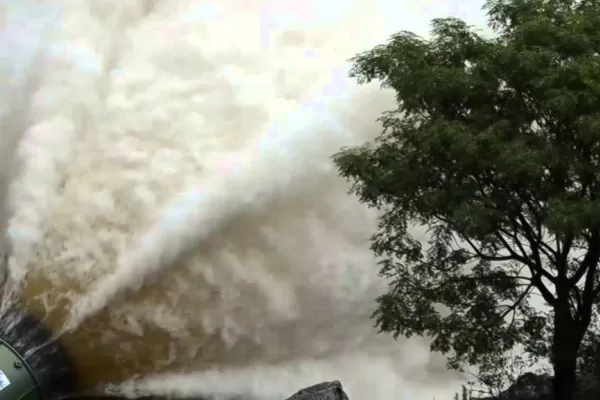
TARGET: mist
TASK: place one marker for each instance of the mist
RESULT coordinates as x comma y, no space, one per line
175,215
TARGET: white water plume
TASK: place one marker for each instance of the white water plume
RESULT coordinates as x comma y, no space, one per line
177,205
270,382
291,156
20,73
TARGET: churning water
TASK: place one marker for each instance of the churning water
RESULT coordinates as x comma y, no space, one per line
173,213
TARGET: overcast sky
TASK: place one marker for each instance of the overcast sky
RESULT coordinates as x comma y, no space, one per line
22,24
415,15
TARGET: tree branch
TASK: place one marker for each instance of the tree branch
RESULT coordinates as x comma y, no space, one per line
486,257
575,299
544,247
525,258
588,260
588,297
534,245
566,248
546,294
514,306
535,272
522,258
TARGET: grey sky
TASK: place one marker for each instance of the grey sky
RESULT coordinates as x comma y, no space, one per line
23,21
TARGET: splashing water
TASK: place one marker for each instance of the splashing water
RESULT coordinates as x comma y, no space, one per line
174,214
299,140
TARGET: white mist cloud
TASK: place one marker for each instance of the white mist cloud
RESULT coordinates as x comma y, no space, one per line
196,220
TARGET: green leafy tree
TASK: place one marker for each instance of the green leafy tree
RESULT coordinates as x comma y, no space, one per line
494,147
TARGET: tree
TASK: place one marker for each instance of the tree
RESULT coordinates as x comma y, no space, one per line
494,147
589,352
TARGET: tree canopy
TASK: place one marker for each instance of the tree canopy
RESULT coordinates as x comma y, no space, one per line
494,147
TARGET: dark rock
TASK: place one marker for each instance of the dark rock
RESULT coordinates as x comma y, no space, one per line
532,386
322,391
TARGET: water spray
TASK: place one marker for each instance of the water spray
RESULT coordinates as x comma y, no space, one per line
32,365
250,275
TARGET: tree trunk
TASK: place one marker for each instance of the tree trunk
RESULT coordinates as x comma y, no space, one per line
567,339
565,380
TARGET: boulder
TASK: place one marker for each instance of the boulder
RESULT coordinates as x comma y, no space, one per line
321,391
529,386
532,386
